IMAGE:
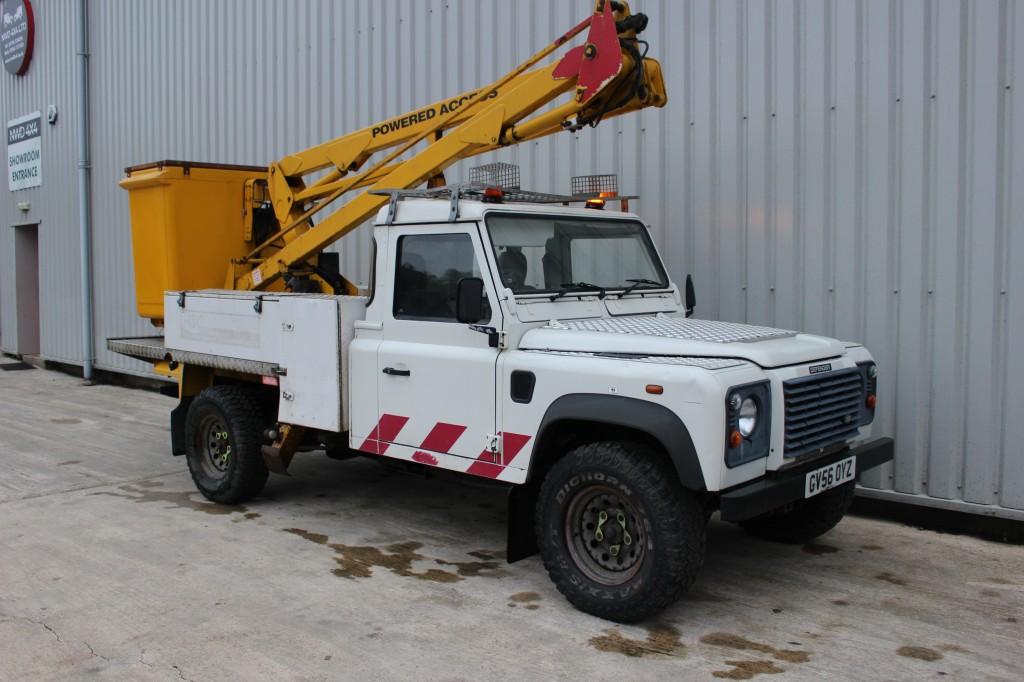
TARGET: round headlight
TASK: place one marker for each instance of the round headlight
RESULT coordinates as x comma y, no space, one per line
735,401
748,417
872,371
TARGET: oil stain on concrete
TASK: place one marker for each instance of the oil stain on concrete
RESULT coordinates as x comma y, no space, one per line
527,599
662,640
470,569
744,670
359,562
149,484
139,493
724,639
890,578
921,653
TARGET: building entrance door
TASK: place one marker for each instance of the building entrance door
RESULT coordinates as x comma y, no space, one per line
26,288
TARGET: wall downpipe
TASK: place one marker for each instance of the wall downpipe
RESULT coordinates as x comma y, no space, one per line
84,197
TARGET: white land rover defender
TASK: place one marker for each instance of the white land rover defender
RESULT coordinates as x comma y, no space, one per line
546,348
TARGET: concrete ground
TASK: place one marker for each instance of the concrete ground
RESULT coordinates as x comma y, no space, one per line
112,566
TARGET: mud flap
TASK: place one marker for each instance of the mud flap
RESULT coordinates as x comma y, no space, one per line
522,539
178,415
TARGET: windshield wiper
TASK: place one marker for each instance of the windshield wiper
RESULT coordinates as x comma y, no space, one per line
569,287
648,283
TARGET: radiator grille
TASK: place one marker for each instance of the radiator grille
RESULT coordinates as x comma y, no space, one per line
822,410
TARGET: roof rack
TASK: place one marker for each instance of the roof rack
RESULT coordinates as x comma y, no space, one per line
470,190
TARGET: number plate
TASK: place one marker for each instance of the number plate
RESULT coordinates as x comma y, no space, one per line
822,479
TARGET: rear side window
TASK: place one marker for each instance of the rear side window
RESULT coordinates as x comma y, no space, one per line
429,269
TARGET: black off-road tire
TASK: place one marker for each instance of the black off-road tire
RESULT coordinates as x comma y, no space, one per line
223,433
804,520
640,496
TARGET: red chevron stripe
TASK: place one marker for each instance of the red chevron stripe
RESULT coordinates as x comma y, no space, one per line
383,434
512,444
440,439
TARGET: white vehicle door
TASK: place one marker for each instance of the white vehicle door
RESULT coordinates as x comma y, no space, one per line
435,375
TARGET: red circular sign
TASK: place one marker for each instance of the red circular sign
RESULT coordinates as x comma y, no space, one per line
17,33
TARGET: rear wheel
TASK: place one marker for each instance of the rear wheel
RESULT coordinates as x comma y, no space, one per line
804,520
222,436
619,536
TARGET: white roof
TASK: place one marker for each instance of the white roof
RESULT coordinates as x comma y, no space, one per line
437,210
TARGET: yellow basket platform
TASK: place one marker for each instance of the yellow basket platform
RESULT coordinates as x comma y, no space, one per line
187,225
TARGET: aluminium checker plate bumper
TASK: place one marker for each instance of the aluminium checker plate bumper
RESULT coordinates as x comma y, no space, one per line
776,490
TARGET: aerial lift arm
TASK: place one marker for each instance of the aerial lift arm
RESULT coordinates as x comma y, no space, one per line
608,77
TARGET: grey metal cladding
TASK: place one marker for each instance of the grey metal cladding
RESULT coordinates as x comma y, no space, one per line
851,169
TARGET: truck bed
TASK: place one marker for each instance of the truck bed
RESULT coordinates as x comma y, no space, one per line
301,340
152,349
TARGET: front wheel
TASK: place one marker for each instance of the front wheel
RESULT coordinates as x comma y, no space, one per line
222,444
619,536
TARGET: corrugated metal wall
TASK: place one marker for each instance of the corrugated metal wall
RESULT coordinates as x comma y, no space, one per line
847,168
54,205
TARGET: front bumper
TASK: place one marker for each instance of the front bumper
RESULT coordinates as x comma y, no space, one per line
776,490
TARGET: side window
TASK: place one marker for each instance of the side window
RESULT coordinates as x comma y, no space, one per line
429,269
373,271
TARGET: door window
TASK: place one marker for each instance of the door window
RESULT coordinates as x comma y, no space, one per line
428,273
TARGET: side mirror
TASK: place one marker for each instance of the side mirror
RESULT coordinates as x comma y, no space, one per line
691,296
469,300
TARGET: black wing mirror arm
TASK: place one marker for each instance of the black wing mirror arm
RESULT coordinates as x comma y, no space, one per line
492,333
691,296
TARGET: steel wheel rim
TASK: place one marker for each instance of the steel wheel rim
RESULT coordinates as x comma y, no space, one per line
215,447
604,535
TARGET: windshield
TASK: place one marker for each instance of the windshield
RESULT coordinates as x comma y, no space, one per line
560,254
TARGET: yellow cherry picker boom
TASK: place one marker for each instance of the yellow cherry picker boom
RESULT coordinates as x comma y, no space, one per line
257,222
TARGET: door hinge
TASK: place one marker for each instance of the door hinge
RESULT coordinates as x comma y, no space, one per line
494,447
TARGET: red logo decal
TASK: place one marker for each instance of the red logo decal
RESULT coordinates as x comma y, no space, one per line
424,458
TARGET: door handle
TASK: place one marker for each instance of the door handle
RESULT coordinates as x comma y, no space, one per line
396,372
